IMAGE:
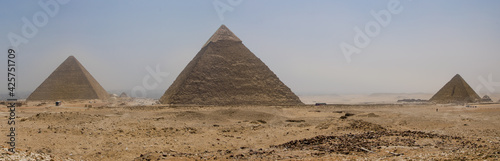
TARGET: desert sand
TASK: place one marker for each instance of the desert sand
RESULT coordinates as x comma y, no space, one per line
122,131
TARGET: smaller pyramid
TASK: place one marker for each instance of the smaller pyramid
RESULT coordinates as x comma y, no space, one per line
70,81
456,91
123,95
486,98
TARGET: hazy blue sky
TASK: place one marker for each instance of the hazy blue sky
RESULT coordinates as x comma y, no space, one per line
419,49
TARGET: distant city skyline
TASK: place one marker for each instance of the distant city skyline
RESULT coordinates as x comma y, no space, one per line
314,47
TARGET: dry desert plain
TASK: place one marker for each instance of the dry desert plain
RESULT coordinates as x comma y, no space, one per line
333,132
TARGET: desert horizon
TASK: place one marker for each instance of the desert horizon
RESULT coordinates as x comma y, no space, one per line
375,98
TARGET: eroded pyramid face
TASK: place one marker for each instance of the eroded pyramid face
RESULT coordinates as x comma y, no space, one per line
225,72
70,81
455,91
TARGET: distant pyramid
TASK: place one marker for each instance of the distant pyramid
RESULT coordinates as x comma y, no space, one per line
124,95
225,72
486,98
68,82
456,91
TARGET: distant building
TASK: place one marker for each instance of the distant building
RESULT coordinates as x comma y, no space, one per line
412,101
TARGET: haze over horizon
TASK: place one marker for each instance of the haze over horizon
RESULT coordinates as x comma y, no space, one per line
417,50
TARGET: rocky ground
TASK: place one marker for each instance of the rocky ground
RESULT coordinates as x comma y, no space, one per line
340,132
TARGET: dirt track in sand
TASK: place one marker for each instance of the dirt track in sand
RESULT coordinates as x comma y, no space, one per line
306,132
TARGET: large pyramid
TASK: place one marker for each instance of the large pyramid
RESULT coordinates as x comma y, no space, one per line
69,81
225,72
456,91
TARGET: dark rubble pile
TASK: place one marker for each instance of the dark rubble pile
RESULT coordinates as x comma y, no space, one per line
378,137
364,142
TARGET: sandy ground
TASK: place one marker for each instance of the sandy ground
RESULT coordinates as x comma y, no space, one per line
363,132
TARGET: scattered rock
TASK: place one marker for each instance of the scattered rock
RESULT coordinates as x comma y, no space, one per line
295,120
348,114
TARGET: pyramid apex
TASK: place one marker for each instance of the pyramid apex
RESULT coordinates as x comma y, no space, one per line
71,57
223,33
457,76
